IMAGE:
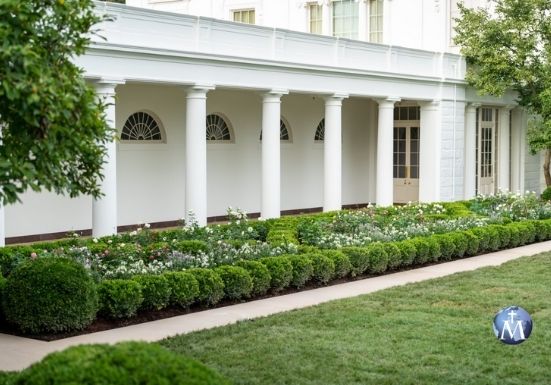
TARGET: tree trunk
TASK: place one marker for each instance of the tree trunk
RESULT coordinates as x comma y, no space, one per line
546,167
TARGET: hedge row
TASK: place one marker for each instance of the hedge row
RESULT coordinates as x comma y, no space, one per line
39,295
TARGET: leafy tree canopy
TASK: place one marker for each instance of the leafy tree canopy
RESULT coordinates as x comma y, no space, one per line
508,47
53,128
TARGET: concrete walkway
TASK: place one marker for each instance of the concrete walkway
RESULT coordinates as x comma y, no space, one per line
17,353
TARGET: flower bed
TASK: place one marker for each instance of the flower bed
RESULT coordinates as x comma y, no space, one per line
146,271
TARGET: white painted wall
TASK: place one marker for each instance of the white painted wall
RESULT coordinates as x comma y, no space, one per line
452,162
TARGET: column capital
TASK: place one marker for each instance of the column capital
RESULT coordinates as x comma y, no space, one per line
508,107
336,97
429,104
473,105
199,90
387,102
106,86
274,94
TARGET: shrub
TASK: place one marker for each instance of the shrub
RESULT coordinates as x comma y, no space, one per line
50,295
378,258
423,250
11,256
359,259
2,285
324,268
341,262
304,249
504,235
461,243
527,231
184,288
281,271
434,249
394,255
277,237
302,269
155,290
237,281
540,231
484,238
495,241
546,194
473,243
119,298
408,251
259,274
515,236
447,247
211,286
192,247
124,363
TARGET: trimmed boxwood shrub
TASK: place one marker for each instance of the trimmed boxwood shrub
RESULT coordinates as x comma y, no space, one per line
281,271
237,281
540,231
260,275
302,269
546,194
11,256
484,238
192,247
2,285
305,249
472,243
515,236
434,249
184,288
495,241
359,259
155,290
341,261
394,255
447,246
408,251
423,250
124,363
527,232
461,243
211,286
378,258
119,298
277,237
50,295
324,268
504,235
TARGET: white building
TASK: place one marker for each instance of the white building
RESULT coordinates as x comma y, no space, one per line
345,120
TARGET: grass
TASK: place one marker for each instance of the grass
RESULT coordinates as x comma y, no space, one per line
434,332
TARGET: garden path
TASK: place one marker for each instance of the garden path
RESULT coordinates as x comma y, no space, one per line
17,353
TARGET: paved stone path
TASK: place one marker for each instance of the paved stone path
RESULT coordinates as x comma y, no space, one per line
17,353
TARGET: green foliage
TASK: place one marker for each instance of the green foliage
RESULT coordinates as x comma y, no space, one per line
11,256
121,364
2,285
447,246
408,252
155,290
44,97
119,298
302,269
359,259
434,249
324,268
259,274
50,295
504,235
541,231
423,250
394,255
508,50
378,258
281,271
546,194
495,241
211,286
277,237
515,235
527,232
461,243
473,243
184,288
192,247
238,283
484,238
341,262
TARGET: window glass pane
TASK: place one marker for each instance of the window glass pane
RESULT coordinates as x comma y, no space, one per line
402,172
244,16
414,133
376,21
315,18
414,172
345,18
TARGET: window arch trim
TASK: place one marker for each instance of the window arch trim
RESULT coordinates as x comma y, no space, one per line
223,118
140,117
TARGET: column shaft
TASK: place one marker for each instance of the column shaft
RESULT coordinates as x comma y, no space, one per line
196,154
504,152
385,137
429,152
332,154
104,209
470,151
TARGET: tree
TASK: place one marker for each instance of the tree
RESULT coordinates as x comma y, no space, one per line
53,127
508,47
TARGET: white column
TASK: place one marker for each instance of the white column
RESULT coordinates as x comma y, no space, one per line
104,209
517,163
332,153
470,151
196,153
385,137
504,152
362,20
429,152
271,154
327,18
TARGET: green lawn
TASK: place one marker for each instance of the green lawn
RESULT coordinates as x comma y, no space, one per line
435,332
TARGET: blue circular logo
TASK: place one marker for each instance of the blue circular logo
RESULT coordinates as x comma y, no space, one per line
512,325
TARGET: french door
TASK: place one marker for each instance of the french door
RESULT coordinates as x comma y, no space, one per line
406,161
486,151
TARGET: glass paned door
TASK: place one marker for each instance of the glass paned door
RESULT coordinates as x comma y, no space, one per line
486,154
406,163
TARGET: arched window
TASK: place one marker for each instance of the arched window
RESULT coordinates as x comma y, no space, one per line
284,133
141,126
320,131
218,129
